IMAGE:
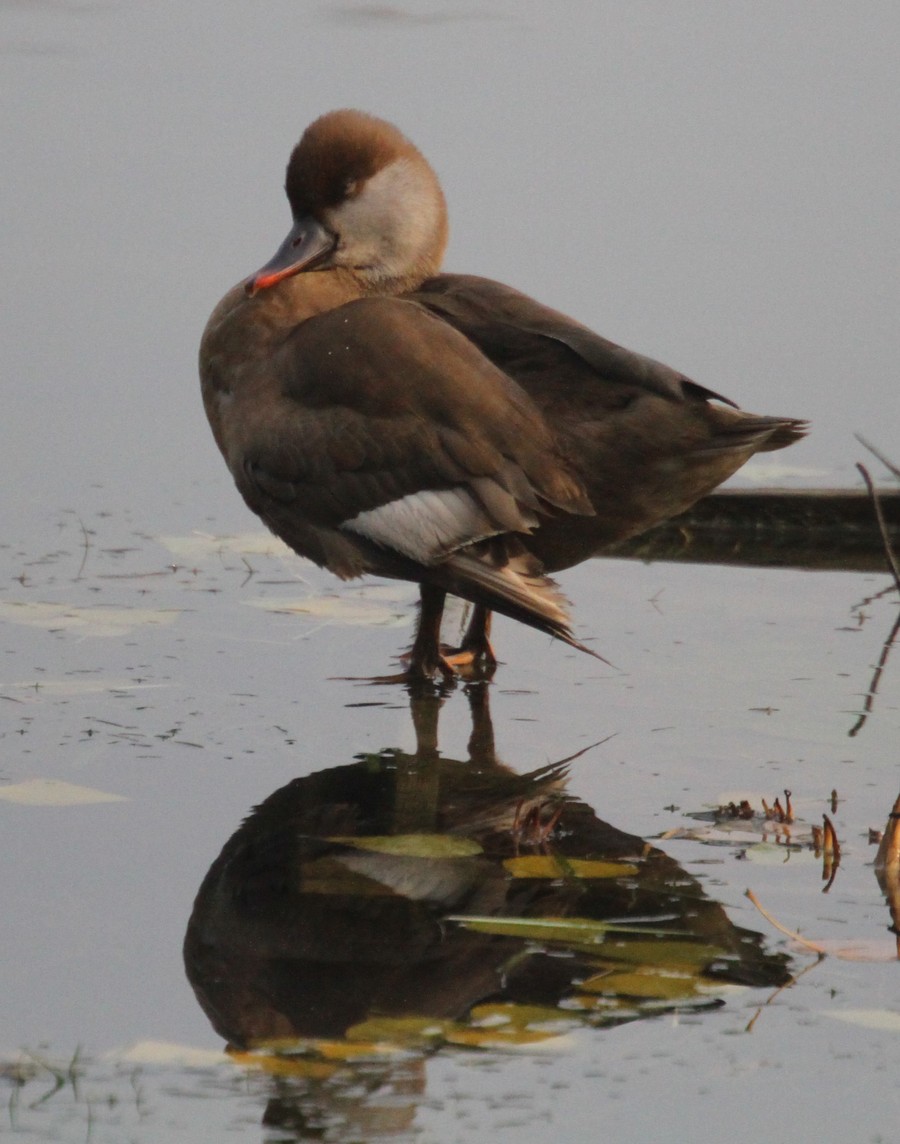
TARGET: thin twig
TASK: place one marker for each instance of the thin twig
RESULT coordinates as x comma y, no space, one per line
87,545
876,678
881,457
810,945
868,601
895,570
781,988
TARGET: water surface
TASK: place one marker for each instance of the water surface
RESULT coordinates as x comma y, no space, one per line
708,188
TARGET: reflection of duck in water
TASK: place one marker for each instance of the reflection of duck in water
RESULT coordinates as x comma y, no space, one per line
384,418
411,892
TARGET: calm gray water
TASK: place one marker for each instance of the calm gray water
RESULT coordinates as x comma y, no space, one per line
714,185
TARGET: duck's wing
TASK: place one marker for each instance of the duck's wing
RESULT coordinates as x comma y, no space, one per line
377,438
647,441
528,338
568,369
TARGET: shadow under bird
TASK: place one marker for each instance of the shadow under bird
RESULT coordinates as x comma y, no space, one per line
384,418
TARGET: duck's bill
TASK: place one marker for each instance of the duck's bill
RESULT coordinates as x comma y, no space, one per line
305,246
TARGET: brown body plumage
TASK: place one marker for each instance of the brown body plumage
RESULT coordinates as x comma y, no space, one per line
384,418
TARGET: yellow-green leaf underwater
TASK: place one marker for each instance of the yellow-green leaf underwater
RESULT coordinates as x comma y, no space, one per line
557,866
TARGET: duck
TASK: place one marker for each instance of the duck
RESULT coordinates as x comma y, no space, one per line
385,418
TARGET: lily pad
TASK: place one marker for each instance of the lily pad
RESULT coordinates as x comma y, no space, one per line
28,690
774,854
96,621
338,609
197,545
883,1019
54,792
168,1053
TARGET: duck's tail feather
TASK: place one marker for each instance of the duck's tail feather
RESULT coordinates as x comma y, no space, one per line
785,431
511,583
739,432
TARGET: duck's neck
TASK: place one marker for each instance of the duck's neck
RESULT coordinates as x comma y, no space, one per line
249,324
246,327
302,296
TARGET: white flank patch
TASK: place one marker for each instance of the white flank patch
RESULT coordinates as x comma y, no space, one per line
426,526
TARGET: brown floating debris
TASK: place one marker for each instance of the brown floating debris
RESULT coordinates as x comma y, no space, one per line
887,868
888,856
743,809
831,845
779,813
831,853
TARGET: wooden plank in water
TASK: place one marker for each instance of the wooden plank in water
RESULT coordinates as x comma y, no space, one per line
777,528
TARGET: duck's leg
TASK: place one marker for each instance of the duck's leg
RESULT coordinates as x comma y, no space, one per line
481,742
425,658
475,648
477,639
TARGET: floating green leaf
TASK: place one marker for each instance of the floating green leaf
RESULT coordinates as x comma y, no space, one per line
408,1032
570,931
413,845
662,952
557,866
647,982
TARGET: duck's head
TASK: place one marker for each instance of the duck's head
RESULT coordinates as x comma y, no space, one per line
364,199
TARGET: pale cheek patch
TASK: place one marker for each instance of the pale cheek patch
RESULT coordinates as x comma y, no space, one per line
426,526
375,235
